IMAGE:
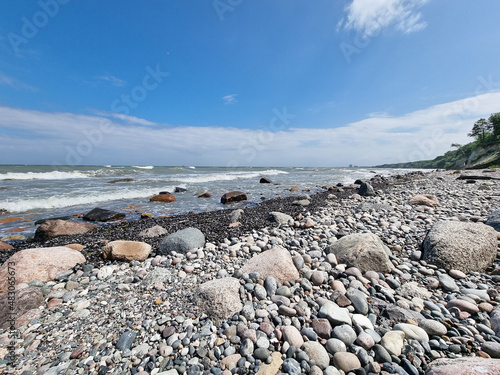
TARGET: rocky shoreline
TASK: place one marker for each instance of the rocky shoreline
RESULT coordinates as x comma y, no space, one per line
277,296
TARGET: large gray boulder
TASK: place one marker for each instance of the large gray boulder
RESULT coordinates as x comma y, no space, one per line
182,241
364,251
461,246
219,298
276,262
280,218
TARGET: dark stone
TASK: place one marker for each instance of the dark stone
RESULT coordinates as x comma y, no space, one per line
126,340
265,180
310,334
261,353
180,190
233,196
475,177
21,301
168,331
100,214
381,354
394,313
291,366
358,182
494,220
366,190
121,180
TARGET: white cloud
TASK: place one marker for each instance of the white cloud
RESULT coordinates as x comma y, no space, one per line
66,138
15,83
127,119
230,99
112,80
369,17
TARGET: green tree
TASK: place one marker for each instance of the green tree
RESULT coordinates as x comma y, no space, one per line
494,123
480,130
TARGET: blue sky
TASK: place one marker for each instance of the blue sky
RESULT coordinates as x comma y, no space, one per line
240,82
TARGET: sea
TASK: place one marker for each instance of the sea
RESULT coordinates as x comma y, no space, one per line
34,192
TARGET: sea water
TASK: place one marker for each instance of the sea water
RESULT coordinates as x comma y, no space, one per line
37,192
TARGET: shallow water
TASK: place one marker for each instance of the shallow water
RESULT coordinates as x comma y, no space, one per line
36,192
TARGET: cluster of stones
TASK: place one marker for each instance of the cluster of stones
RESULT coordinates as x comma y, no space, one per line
346,290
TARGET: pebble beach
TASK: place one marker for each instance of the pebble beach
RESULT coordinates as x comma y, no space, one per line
400,275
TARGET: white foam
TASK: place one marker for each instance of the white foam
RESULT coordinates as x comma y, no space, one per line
62,201
143,167
229,176
56,175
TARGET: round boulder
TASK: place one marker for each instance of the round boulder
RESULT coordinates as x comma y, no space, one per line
276,262
42,264
126,251
220,298
461,246
364,251
182,241
56,228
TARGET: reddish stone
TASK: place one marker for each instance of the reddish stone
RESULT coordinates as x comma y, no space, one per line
10,219
39,264
205,195
322,327
27,317
294,188
166,198
15,230
77,353
5,246
56,228
54,302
